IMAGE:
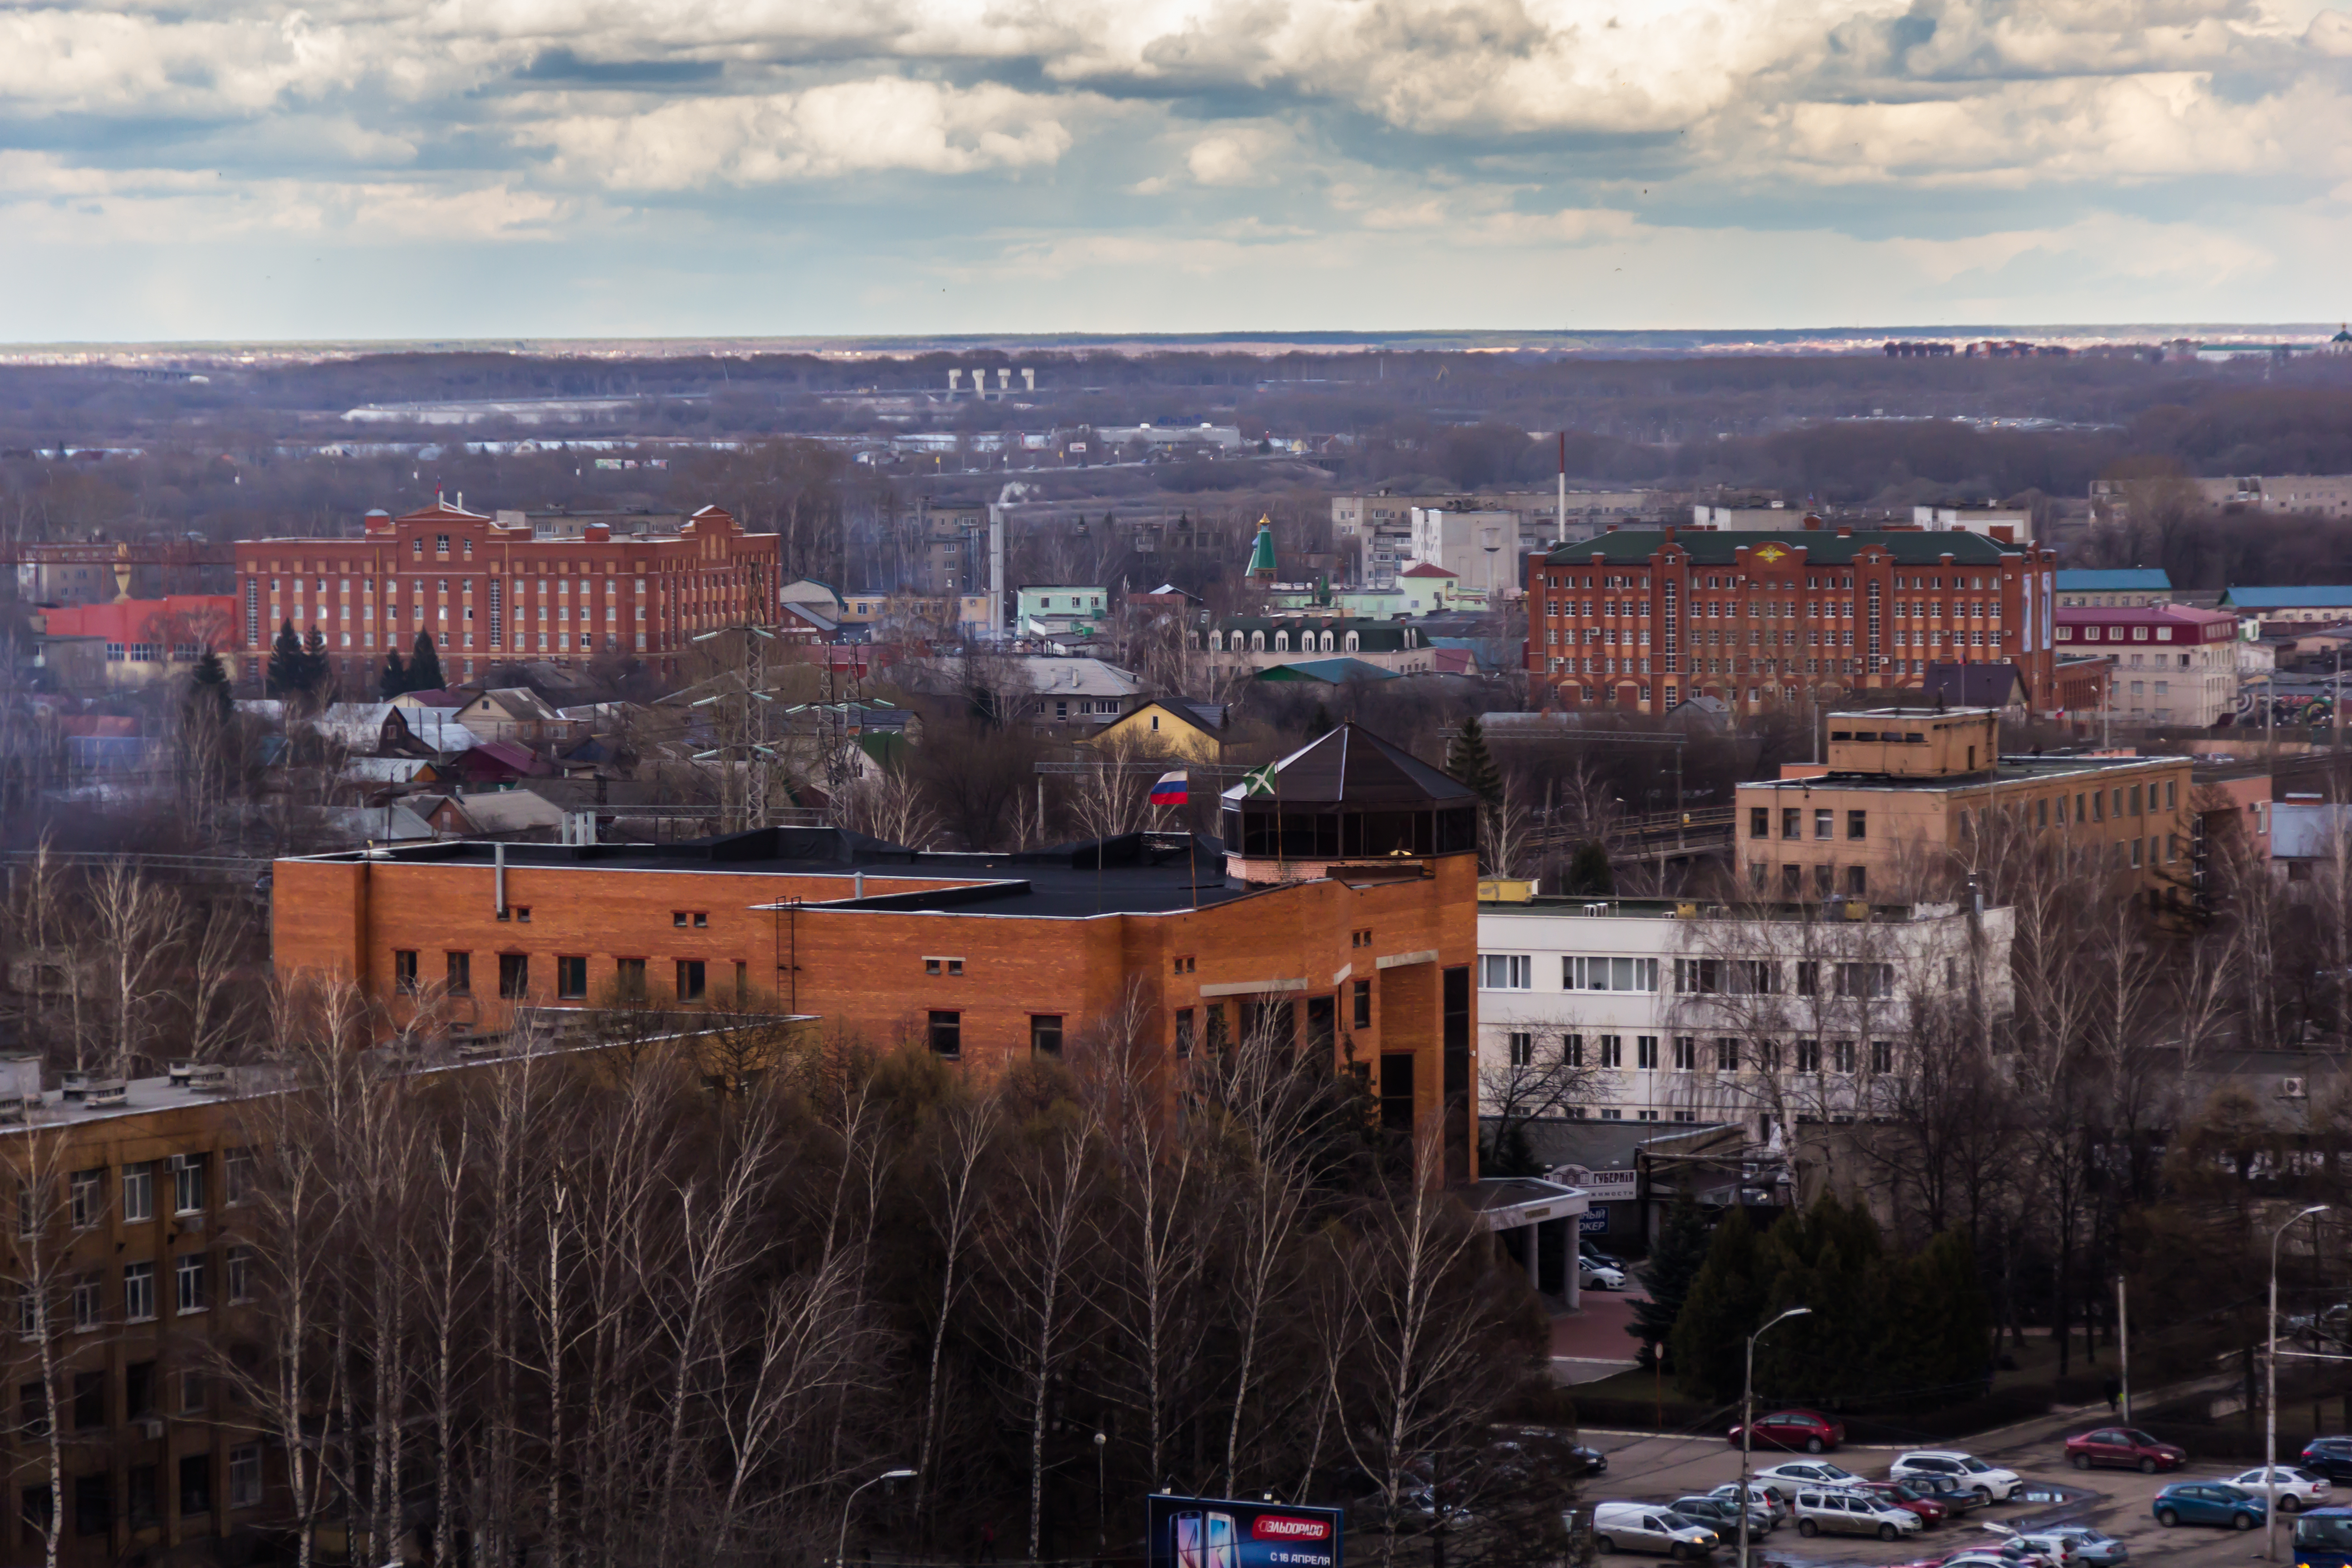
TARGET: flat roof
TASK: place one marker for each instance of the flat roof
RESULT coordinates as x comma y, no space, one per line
2011,770
1574,908
1138,873
1836,714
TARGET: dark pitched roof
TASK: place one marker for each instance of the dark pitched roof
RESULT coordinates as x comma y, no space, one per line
1336,669
1963,685
1353,765
1627,546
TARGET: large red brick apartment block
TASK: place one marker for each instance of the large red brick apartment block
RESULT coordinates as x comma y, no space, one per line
489,594
1341,907
1642,619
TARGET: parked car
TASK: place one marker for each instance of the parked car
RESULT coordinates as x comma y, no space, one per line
1807,1429
1721,1515
1903,1494
2207,1502
1786,1480
2077,1546
1585,1250
1594,1461
1765,1498
2328,1456
1988,1557
2297,1489
1955,1494
1989,1482
2127,1447
1591,1275
1843,1511
1649,1527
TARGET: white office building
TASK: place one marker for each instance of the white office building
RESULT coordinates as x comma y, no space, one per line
1654,1010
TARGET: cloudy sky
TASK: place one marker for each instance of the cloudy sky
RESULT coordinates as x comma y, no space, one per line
483,168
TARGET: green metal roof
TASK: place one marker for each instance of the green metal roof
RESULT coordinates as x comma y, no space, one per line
1262,553
1631,546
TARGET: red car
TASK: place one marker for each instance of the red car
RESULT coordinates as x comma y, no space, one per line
1809,1430
1931,1510
2123,1445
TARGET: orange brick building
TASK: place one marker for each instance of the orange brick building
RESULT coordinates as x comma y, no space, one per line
1351,923
493,594
1641,619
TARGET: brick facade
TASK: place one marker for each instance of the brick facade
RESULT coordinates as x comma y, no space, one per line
492,594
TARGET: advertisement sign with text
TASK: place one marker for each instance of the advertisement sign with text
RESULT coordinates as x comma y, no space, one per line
1222,1533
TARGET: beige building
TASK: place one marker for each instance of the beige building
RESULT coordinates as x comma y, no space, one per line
1910,794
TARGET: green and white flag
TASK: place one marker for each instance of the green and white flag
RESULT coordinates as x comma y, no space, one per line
1260,782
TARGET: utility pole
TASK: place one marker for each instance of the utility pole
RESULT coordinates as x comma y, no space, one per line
2123,1347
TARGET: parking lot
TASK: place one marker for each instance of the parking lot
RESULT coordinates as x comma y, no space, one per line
2119,1502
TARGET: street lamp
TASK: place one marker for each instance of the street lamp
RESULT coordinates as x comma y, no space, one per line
1102,1530
841,1548
2270,1395
1747,1421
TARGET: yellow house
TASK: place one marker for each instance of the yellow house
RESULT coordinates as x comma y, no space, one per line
1173,726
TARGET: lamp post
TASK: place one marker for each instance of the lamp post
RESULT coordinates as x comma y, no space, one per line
1747,1421
1102,1528
841,1548
2270,1395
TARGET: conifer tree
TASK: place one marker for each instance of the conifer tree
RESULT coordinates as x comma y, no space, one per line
395,679
1675,1261
1590,871
1710,1337
208,686
317,670
425,665
1471,763
286,676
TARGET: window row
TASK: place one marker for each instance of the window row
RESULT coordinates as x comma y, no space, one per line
144,1504
79,1307
185,1188
689,977
1690,1053
1515,972
1794,819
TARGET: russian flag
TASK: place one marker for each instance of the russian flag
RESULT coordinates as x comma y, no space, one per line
1172,789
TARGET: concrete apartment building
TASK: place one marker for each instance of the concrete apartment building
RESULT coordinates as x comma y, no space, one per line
2132,587
131,1258
2317,604
1480,546
1379,525
2172,664
1342,911
97,572
489,594
1642,620
1658,1010
1910,794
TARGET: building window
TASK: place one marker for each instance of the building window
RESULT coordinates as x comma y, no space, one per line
571,978
1824,821
1522,1044
1792,818
947,1034
689,980
1363,999
93,1503
404,969
1045,1034
1882,1055
1612,1051
1645,1052
138,1193
1506,971
1857,824
196,1484
236,1175
244,1476
514,974
629,978
194,1392
1857,882
1809,1055
1599,974
1686,1053
1727,1053
1183,1032
1759,822
189,1276
187,1183
460,970
1841,1054
138,1292
239,1270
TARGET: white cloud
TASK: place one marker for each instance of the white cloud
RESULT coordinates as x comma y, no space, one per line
843,128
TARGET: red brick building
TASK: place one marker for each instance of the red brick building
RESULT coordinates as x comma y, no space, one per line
491,594
1641,619
1350,922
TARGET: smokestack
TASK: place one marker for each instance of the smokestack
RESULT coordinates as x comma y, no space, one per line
1560,517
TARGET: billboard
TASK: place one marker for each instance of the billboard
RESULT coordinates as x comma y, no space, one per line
1222,1533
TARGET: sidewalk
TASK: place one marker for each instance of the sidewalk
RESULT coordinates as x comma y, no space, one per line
1591,1343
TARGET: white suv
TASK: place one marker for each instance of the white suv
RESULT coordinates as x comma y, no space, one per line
1974,1475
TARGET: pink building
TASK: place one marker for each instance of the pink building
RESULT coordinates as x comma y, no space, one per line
2171,665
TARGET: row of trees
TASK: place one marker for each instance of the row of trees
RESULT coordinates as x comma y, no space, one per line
673,1295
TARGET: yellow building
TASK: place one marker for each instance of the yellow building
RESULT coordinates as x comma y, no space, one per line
1173,726
1908,795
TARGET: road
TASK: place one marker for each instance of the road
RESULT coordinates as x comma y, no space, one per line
1646,1468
